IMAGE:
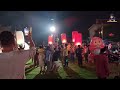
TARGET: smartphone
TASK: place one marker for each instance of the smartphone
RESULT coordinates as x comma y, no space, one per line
26,31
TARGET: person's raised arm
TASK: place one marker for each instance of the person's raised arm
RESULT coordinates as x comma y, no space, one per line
32,44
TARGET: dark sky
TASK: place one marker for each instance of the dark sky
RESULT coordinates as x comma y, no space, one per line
65,21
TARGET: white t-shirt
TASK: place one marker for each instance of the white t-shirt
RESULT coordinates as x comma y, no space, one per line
12,64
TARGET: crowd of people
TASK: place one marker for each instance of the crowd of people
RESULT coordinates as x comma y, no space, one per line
48,58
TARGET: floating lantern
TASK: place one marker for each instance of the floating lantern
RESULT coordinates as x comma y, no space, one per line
20,37
50,39
74,34
63,38
78,40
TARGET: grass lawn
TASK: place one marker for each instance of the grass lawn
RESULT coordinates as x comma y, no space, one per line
71,72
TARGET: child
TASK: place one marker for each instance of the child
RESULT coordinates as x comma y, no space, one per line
41,58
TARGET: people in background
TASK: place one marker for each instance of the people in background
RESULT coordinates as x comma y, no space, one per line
65,56
12,61
36,60
41,58
48,59
79,55
101,62
55,58
72,53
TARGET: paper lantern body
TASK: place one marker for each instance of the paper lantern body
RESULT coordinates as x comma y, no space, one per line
20,37
78,40
74,33
63,38
50,39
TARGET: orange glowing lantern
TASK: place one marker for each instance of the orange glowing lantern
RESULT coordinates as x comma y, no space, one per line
50,39
74,33
78,40
63,38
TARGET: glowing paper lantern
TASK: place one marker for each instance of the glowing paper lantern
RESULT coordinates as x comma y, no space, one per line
20,37
50,39
74,33
63,38
78,39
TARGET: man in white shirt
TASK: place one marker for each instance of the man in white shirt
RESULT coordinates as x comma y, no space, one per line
12,62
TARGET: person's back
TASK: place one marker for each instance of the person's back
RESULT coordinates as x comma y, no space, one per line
12,62
55,55
101,62
79,51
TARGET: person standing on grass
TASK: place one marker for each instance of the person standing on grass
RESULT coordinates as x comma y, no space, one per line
72,53
41,57
12,61
86,52
65,56
79,55
101,62
48,58
36,60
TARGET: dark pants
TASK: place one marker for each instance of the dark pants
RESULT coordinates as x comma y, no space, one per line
36,62
72,57
79,60
48,66
86,57
66,61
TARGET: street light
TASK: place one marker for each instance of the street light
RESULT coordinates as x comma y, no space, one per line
52,29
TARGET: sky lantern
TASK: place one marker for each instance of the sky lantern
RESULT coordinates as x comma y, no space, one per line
74,33
50,39
20,38
63,38
78,40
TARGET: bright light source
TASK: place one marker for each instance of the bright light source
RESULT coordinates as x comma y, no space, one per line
50,43
73,40
64,41
52,29
78,43
52,19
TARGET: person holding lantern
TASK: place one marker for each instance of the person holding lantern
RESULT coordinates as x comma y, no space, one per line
12,61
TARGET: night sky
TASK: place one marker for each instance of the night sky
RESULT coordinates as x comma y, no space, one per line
65,21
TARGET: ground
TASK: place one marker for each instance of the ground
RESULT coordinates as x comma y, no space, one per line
73,71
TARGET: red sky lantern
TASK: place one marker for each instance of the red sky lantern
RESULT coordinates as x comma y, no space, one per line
74,33
50,39
63,38
78,40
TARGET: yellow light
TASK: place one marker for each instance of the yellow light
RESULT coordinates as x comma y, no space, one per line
78,44
50,42
64,41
